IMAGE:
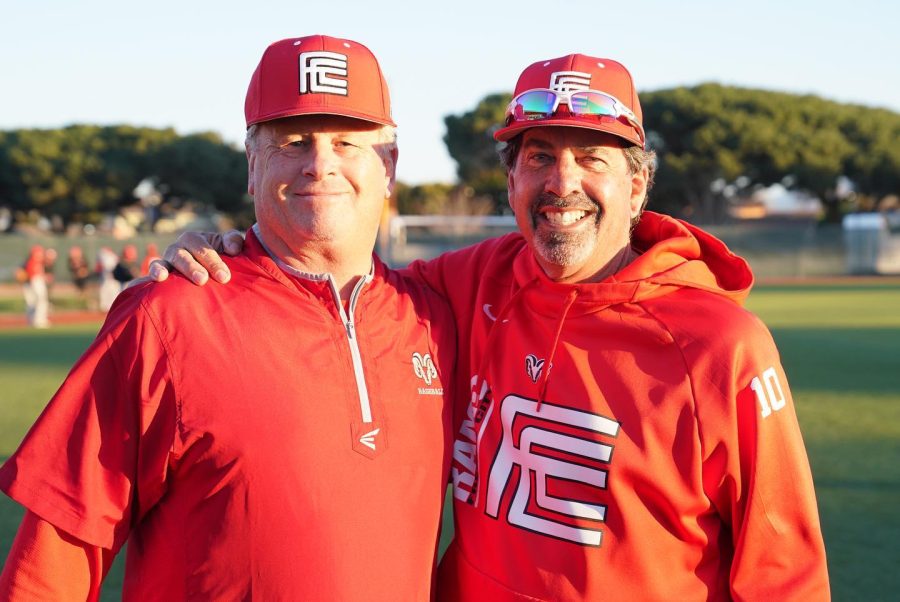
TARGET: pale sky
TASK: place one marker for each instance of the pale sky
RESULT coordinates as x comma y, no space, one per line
186,63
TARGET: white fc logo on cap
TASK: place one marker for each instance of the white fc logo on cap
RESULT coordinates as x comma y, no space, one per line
569,81
318,71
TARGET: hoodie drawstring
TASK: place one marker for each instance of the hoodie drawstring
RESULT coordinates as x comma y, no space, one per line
480,387
570,300
492,335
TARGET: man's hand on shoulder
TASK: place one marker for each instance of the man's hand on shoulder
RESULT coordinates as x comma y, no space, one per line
197,255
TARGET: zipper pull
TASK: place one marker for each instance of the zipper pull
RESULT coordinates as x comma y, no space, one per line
350,330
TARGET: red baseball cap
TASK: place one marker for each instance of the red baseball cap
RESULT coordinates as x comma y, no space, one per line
580,72
318,75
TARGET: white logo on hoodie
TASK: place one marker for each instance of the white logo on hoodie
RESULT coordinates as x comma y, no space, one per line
579,459
533,367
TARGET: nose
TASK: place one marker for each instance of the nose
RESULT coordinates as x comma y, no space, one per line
564,176
320,161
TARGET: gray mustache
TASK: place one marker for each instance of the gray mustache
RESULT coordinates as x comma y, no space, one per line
577,200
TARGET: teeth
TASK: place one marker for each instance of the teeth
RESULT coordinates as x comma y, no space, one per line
564,218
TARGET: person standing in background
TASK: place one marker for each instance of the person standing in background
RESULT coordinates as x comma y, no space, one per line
37,303
50,256
127,269
107,261
80,274
152,253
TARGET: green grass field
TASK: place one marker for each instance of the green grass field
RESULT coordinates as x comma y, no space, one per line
841,349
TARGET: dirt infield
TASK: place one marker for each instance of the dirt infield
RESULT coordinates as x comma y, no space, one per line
59,317
8,320
62,290
14,289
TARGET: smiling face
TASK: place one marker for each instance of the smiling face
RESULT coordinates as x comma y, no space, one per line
319,185
574,198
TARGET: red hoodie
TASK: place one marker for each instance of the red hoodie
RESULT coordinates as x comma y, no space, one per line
633,439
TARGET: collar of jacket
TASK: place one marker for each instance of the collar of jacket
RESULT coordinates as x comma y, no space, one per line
314,285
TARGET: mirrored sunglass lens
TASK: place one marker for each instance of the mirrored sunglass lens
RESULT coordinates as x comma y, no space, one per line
592,103
534,105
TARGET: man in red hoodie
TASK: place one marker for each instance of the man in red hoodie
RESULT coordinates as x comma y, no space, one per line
629,433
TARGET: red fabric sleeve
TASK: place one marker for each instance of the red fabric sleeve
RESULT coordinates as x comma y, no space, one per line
457,275
48,564
756,470
431,273
96,459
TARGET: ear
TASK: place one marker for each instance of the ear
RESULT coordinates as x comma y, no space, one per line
510,189
639,191
390,169
251,169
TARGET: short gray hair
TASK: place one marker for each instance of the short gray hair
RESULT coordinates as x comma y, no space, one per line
250,139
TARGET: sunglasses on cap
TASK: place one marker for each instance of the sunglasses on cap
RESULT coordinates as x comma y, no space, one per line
542,103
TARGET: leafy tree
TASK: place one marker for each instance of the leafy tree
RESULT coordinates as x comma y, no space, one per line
422,199
12,190
202,168
470,142
442,199
711,133
79,171
82,171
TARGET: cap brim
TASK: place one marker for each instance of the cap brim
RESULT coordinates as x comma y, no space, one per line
614,127
299,111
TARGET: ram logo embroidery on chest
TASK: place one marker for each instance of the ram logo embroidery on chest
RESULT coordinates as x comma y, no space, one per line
533,367
423,367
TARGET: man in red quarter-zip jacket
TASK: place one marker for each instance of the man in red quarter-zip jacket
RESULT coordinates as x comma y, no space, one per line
284,438
629,433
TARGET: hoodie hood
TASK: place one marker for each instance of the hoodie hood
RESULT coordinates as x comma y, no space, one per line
672,255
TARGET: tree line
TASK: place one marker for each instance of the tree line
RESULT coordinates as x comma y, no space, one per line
81,172
707,138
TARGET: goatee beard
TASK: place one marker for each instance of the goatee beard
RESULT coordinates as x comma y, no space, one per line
565,248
